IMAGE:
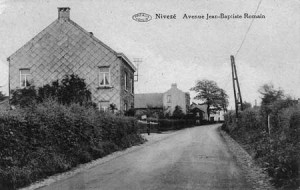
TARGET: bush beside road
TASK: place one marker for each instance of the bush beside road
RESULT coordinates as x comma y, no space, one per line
275,148
49,138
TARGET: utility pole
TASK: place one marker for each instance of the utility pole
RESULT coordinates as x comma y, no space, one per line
235,81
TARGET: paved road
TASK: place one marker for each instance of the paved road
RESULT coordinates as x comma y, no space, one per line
194,158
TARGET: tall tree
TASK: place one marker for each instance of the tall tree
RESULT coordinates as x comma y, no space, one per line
209,92
223,99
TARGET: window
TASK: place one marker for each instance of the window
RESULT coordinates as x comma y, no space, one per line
125,106
103,106
132,85
104,76
125,81
169,99
25,77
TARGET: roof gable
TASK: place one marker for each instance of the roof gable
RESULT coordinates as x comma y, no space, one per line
30,43
57,30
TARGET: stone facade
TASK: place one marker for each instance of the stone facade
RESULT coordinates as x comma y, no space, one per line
65,48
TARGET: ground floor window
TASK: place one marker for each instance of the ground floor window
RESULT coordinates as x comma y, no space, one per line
104,106
125,106
25,77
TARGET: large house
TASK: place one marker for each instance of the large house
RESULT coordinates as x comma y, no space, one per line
165,102
66,48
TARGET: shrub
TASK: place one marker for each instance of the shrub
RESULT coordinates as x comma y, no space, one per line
24,97
71,89
178,113
48,138
2,96
278,152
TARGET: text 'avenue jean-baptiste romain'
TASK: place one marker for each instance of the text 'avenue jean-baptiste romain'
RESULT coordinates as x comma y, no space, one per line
208,16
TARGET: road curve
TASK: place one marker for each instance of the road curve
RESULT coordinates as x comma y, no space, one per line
194,158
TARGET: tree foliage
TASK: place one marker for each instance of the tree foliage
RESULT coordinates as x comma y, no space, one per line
212,95
178,113
273,100
2,96
270,94
71,89
247,105
24,97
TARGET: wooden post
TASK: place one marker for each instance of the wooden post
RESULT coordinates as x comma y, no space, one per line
235,81
238,85
234,91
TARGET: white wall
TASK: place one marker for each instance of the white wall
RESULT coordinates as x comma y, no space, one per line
177,98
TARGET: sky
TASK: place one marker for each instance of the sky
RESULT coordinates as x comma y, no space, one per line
176,50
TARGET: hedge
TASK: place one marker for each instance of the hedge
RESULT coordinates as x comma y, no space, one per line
277,151
49,138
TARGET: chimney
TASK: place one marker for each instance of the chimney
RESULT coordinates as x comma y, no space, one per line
174,85
63,13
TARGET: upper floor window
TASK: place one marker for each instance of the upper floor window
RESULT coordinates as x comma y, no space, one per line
104,76
25,77
132,85
169,99
125,80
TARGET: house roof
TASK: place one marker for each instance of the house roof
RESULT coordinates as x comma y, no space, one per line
121,55
197,109
202,107
40,34
154,100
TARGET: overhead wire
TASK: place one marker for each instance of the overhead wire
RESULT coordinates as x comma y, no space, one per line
245,36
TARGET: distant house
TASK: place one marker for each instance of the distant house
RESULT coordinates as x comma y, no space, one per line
217,116
153,101
214,116
199,110
165,102
64,48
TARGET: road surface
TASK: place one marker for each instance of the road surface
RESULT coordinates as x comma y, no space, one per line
194,158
